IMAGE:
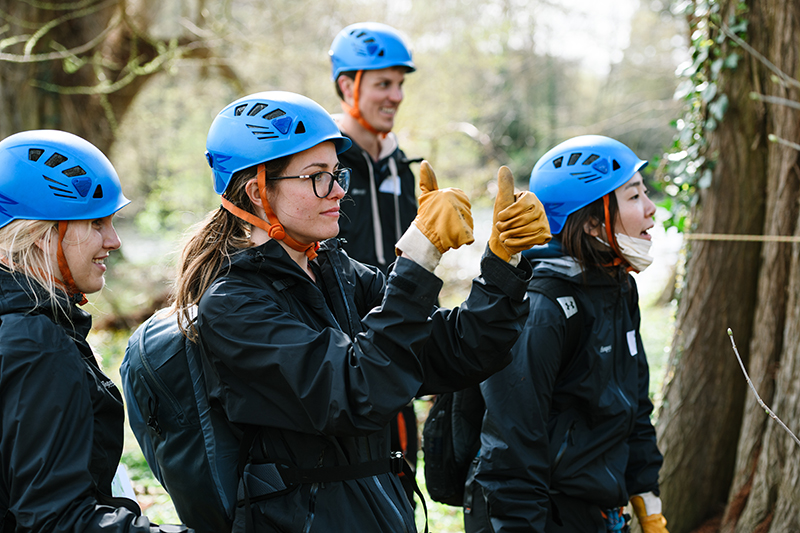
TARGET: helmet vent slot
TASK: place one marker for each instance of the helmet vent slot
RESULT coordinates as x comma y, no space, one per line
591,159
98,192
256,110
74,171
557,162
35,153
573,158
55,160
62,188
54,181
239,110
615,165
586,177
274,114
67,193
301,128
262,133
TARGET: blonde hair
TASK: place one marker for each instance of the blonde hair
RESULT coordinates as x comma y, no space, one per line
20,253
211,242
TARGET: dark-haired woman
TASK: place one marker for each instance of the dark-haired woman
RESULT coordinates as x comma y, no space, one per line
566,440
311,354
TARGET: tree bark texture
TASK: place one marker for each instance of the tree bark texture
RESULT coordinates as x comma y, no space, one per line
100,42
764,449
721,451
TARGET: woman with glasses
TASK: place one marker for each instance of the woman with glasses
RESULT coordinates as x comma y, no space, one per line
310,354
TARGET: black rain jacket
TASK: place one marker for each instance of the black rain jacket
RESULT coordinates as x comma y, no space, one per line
586,434
322,368
380,204
61,430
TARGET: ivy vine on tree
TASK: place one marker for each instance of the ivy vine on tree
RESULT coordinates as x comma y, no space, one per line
689,165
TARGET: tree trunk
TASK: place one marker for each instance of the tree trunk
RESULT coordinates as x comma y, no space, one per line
721,451
764,496
38,90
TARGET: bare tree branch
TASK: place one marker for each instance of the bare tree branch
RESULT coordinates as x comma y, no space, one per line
27,57
775,100
785,78
760,401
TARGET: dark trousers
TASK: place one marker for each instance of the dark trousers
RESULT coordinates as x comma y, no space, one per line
575,516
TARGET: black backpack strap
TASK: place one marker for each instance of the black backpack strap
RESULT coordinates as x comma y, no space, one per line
409,473
562,293
248,437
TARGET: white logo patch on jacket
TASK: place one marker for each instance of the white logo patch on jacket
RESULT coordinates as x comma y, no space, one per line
567,303
632,343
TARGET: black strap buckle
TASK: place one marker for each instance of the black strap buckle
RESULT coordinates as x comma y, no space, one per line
396,461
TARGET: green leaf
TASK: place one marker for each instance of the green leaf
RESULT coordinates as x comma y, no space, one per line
684,89
705,181
740,27
709,92
716,66
718,107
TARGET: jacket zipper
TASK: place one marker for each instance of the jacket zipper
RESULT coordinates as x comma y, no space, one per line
563,448
391,503
161,392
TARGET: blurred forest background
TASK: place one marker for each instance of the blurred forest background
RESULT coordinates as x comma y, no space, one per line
499,82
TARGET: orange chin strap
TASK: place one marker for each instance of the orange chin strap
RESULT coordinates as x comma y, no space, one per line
68,283
274,230
354,111
612,240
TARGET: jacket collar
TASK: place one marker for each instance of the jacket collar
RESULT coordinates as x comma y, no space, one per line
19,294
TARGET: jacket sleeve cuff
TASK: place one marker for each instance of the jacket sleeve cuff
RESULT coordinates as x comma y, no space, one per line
652,503
512,280
417,283
418,248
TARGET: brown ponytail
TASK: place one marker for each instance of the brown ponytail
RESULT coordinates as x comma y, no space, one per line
212,241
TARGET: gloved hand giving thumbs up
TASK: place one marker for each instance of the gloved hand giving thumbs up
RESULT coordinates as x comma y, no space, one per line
444,221
519,221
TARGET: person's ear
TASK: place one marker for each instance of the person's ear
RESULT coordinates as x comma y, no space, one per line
42,241
592,227
251,188
346,85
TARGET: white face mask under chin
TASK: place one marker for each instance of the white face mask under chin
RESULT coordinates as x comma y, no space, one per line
634,251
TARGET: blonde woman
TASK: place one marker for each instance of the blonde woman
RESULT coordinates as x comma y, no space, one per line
62,419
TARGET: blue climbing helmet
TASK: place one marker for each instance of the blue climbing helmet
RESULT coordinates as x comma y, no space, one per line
369,46
579,171
55,175
266,126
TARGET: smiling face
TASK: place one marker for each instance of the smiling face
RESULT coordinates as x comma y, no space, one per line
86,245
380,95
636,211
305,217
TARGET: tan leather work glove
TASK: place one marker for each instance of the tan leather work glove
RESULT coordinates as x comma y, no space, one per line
647,507
519,221
443,222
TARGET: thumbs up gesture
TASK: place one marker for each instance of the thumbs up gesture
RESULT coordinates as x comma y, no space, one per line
519,221
444,221
444,215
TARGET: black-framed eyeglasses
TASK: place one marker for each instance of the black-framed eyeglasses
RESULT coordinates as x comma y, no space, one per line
323,181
